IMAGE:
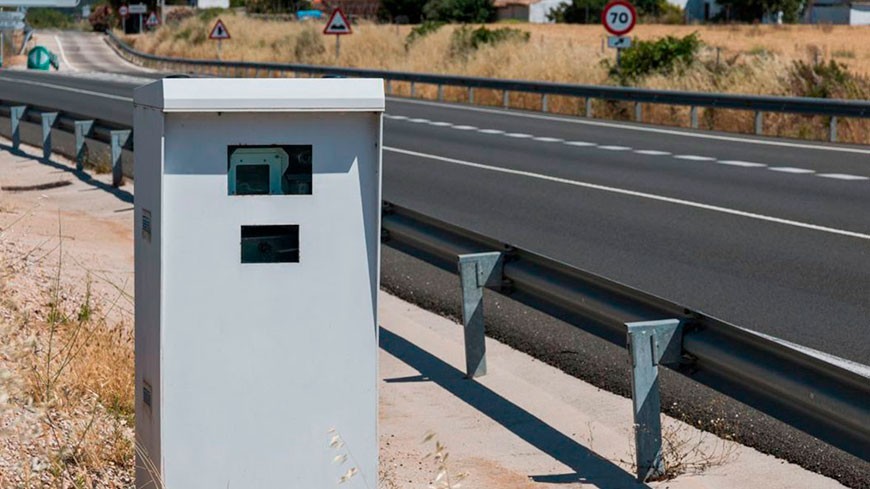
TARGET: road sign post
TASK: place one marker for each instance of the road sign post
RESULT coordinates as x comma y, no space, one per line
124,11
218,33
139,9
619,17
337,25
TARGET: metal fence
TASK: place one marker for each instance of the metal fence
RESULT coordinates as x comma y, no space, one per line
759,104
817,393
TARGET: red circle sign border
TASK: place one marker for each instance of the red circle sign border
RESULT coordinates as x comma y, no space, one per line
625,4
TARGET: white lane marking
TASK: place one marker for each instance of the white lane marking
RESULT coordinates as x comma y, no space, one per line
694,158
67,89
419,121
465,128
63,54
634,193
790,169
491,131
652,152
672,132
580,143
842,176
549,140
396,117
441,124
614,148
744,164
519,135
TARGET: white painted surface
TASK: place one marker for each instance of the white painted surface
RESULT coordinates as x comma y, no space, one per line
252,364
263,94
213,3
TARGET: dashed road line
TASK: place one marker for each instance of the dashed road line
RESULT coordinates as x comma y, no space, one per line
694,157
646,152
842,176
744,164
634,193
791,169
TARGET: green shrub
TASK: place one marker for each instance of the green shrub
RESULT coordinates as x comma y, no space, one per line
465,11
827,80
464,40
48,18
423,30
663,55
309,45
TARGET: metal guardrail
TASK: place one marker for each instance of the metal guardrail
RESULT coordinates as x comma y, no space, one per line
828,398
832,108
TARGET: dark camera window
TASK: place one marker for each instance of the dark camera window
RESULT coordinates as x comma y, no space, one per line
270,244
269,170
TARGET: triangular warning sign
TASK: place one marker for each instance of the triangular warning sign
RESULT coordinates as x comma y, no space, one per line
219,31
337,24
153,20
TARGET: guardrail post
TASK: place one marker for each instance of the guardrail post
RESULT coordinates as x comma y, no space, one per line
638,112
83,129
16,113
832,134
440,93
693,115
389,86
506,99
48,119
544,102
413,89
476,271
759,123
650,343
588,107
471,95
119,140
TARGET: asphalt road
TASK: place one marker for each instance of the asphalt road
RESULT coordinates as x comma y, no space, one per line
769,234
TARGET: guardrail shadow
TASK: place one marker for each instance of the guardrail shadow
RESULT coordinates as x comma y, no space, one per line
119,193
589,468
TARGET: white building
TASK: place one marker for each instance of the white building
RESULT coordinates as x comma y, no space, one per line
534,11
856,12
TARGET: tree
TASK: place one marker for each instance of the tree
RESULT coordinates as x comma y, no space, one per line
465,11
578,12
412,10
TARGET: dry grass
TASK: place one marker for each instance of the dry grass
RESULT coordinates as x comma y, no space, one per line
735,59
73,389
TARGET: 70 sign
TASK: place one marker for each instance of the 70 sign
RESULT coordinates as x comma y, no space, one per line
619,17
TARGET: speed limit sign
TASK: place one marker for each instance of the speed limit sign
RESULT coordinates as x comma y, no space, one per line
619,17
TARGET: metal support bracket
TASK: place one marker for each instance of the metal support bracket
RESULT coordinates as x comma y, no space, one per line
545,107
48,119
693,115
650,343
83,130
759,123
638,112
471,95
16,113
588,107
476,271
119,140
506,99
832,134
